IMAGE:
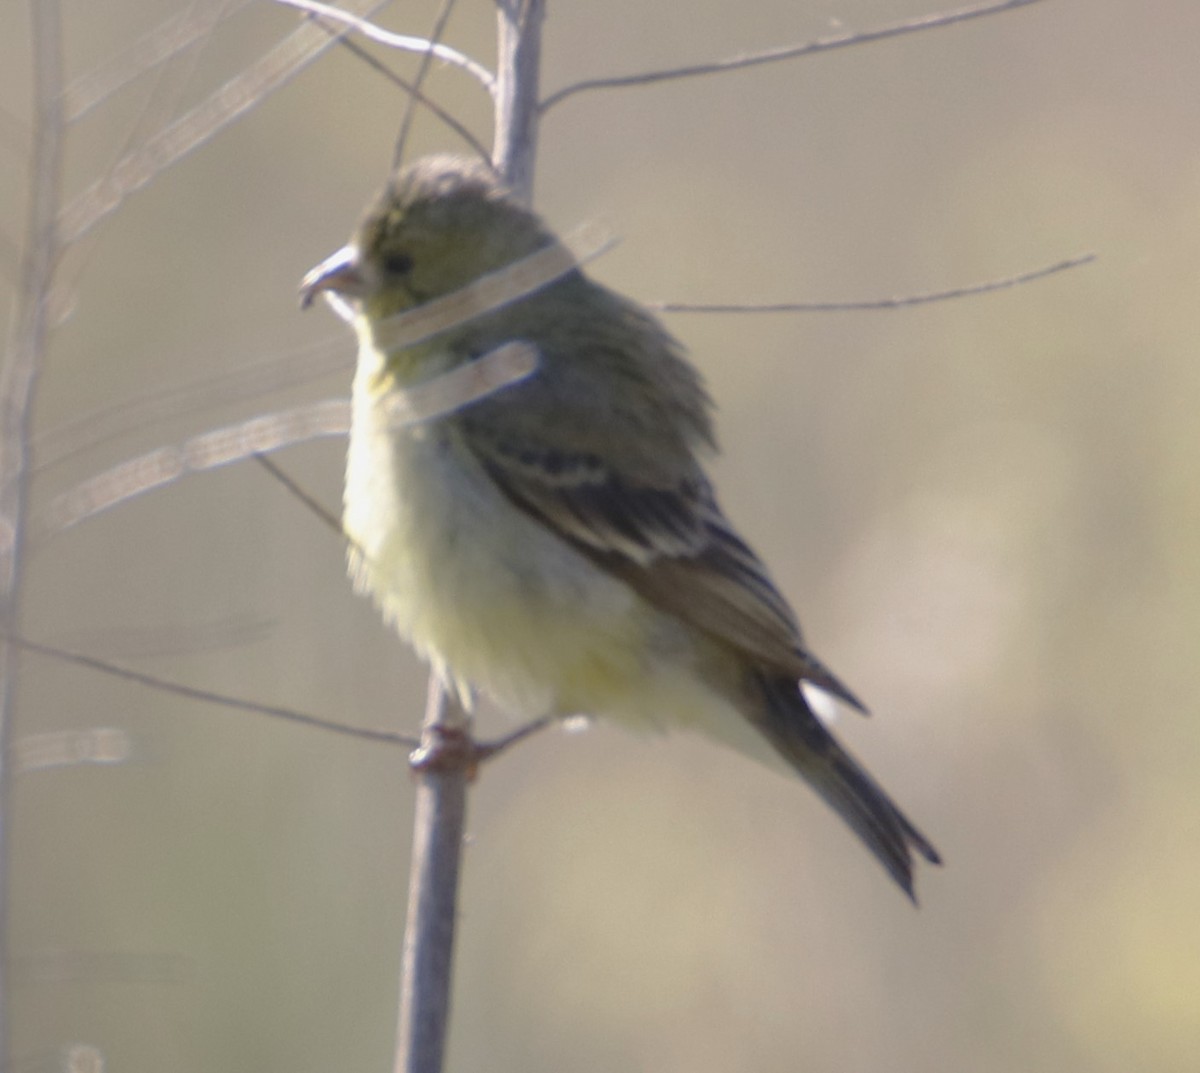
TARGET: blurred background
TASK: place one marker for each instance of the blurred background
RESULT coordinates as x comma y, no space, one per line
986,511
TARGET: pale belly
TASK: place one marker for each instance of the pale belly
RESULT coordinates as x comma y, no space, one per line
479,589
495,601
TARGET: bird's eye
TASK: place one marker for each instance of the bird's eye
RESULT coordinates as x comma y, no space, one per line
398,264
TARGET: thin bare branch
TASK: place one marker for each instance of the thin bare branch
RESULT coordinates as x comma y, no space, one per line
311,503
211,450
207,696
519,47
789,52
18,380
315,506
259,379
489,750
161,99
442,772
234,99
459,128
18,391
462,386
410,105
442,395
403,42
165,41
899,302
255,380
104,745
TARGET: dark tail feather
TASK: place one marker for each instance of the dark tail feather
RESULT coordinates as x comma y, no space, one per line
803,741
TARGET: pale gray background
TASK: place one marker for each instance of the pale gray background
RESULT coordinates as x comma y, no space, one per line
986,511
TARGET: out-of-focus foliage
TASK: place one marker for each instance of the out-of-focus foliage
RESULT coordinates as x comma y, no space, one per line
987,512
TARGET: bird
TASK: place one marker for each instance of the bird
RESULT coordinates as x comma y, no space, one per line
558,543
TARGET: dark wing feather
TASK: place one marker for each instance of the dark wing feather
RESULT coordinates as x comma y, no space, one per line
843,783
669,542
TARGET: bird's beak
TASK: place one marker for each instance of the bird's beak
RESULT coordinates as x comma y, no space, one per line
340,272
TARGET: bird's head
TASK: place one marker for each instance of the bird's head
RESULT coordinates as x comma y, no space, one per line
439,225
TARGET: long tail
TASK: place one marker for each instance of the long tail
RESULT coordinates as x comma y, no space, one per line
803,741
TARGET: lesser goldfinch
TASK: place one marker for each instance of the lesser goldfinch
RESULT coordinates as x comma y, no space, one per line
557,544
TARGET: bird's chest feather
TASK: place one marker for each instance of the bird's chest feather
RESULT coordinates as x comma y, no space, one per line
476,585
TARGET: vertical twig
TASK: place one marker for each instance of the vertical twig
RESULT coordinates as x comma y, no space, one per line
438,827
518,61
17,391
444,762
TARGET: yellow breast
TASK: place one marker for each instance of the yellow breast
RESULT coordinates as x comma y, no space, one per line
478,587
